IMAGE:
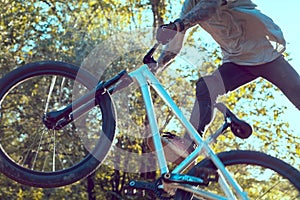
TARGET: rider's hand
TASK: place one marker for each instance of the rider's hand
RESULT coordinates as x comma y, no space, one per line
167,32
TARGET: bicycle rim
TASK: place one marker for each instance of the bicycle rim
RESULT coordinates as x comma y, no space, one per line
34,155
260,175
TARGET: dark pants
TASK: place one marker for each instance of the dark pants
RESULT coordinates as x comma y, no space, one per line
230,76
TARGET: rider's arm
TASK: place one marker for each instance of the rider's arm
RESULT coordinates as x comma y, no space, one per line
191,14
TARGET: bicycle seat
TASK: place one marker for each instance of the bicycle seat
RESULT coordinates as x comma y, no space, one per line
238,127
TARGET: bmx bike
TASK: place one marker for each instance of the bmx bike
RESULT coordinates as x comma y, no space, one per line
43,130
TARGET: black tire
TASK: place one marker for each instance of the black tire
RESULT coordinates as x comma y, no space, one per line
289,184
33,155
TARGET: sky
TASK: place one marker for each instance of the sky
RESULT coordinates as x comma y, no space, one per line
286,14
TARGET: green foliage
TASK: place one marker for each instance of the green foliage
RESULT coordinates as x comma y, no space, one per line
68,31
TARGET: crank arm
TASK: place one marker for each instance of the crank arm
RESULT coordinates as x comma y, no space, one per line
183,179
201,176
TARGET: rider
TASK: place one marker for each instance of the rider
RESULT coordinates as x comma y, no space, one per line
252,46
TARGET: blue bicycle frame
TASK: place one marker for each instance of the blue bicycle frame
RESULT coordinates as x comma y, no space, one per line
146,79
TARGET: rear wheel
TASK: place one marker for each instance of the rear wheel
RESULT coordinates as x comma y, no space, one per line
260,175
34,155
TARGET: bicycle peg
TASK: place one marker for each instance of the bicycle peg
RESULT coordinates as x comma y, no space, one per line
238,127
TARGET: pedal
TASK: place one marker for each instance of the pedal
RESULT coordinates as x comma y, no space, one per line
142,185
207,174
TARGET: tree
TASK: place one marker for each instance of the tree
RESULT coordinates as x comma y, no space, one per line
70,31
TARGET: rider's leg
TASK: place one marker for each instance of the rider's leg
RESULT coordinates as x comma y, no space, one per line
280,73
226,78
230,76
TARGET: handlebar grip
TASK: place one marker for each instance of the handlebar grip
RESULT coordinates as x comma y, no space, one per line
148,57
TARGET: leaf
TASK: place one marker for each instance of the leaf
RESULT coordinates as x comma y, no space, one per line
298,151
92,3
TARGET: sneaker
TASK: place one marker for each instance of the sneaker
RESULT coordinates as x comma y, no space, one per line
176,148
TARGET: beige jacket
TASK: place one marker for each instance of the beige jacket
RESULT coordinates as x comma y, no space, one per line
245,35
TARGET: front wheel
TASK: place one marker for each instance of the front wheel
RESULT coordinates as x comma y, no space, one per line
260,175
34,155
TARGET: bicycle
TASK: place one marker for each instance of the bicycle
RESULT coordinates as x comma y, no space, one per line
41,126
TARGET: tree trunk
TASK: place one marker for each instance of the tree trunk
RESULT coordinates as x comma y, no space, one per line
90,187
158,10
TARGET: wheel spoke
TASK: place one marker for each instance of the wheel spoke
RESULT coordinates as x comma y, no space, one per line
50,93
37,150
